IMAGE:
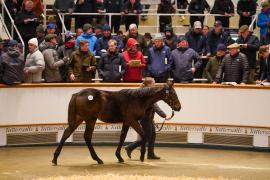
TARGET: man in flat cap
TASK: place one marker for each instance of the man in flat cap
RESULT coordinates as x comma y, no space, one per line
234,67
249,45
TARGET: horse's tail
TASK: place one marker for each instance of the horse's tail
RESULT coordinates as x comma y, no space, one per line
72,110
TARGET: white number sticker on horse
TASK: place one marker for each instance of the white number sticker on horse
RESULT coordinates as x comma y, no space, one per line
90,97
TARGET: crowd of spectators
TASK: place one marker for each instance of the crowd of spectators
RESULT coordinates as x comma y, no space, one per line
95,51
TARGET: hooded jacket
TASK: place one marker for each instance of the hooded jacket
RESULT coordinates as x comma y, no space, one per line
11,66
133,74
91,38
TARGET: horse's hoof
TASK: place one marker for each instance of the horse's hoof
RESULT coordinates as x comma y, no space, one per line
54,162
100,161
142,158
121,160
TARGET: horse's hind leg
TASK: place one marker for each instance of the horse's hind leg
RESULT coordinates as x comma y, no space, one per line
121,142
136,126
90,124
68,131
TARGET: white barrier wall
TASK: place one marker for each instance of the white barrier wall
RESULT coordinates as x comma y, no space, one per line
219,106
210,114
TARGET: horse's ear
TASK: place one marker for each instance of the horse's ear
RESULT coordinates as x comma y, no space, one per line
170,83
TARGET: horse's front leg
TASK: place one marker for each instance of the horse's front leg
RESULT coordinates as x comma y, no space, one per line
121,142
137,127
90,124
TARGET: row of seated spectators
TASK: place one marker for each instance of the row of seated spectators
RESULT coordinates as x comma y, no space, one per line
122,56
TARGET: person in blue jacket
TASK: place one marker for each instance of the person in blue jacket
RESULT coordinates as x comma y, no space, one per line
89,36
264,18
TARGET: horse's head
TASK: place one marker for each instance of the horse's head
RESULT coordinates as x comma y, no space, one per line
171,97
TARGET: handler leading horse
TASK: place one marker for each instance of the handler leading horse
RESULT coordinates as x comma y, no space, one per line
126,106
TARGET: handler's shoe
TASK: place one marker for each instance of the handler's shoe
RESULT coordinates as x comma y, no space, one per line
153,157
128,152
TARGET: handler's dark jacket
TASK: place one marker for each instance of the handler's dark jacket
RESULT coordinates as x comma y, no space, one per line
235,69
264,73
253,45
79,61
111,67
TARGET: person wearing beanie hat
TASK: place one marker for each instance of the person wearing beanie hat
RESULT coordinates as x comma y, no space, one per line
170,38
102,43
52,29
34,63
89,36
49,37
159,63
98,31
184,61
263,18
213,63
40,33
234,67
249,45
131,6
11,64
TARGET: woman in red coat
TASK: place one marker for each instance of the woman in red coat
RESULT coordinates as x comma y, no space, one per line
135,62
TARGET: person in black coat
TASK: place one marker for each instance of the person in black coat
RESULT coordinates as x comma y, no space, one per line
131,7
112,66
246,9
223,7
264,74
249,46
148,126
27,21
84,6
114,6
197,7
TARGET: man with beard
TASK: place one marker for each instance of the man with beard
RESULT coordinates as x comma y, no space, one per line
11,65
133,33
112,66
182,61
234,67
102,42
211,68
159,60
170,38
135,62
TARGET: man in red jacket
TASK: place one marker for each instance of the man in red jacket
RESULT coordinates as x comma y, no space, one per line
135,62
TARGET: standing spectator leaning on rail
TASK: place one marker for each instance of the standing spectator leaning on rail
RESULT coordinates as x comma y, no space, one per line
131,7
135,62
114,6
165,7
264,74
84,6
159,60
249,45
224,8
246,9
82,65
264,18
89,36
64,6
213,63
112,66
34,63
148,126
11,65
234,67
182,60
52,61
197,7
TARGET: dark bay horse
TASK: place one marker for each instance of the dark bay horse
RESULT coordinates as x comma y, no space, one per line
126,106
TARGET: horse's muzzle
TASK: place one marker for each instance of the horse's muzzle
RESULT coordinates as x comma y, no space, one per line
177,108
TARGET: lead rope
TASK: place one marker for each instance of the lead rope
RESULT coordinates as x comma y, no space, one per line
159,129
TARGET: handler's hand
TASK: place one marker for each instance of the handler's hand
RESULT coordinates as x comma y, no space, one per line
72,77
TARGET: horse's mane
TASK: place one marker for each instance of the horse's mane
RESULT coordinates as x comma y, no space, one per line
141,92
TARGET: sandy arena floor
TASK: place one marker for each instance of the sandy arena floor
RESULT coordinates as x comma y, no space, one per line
75,161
